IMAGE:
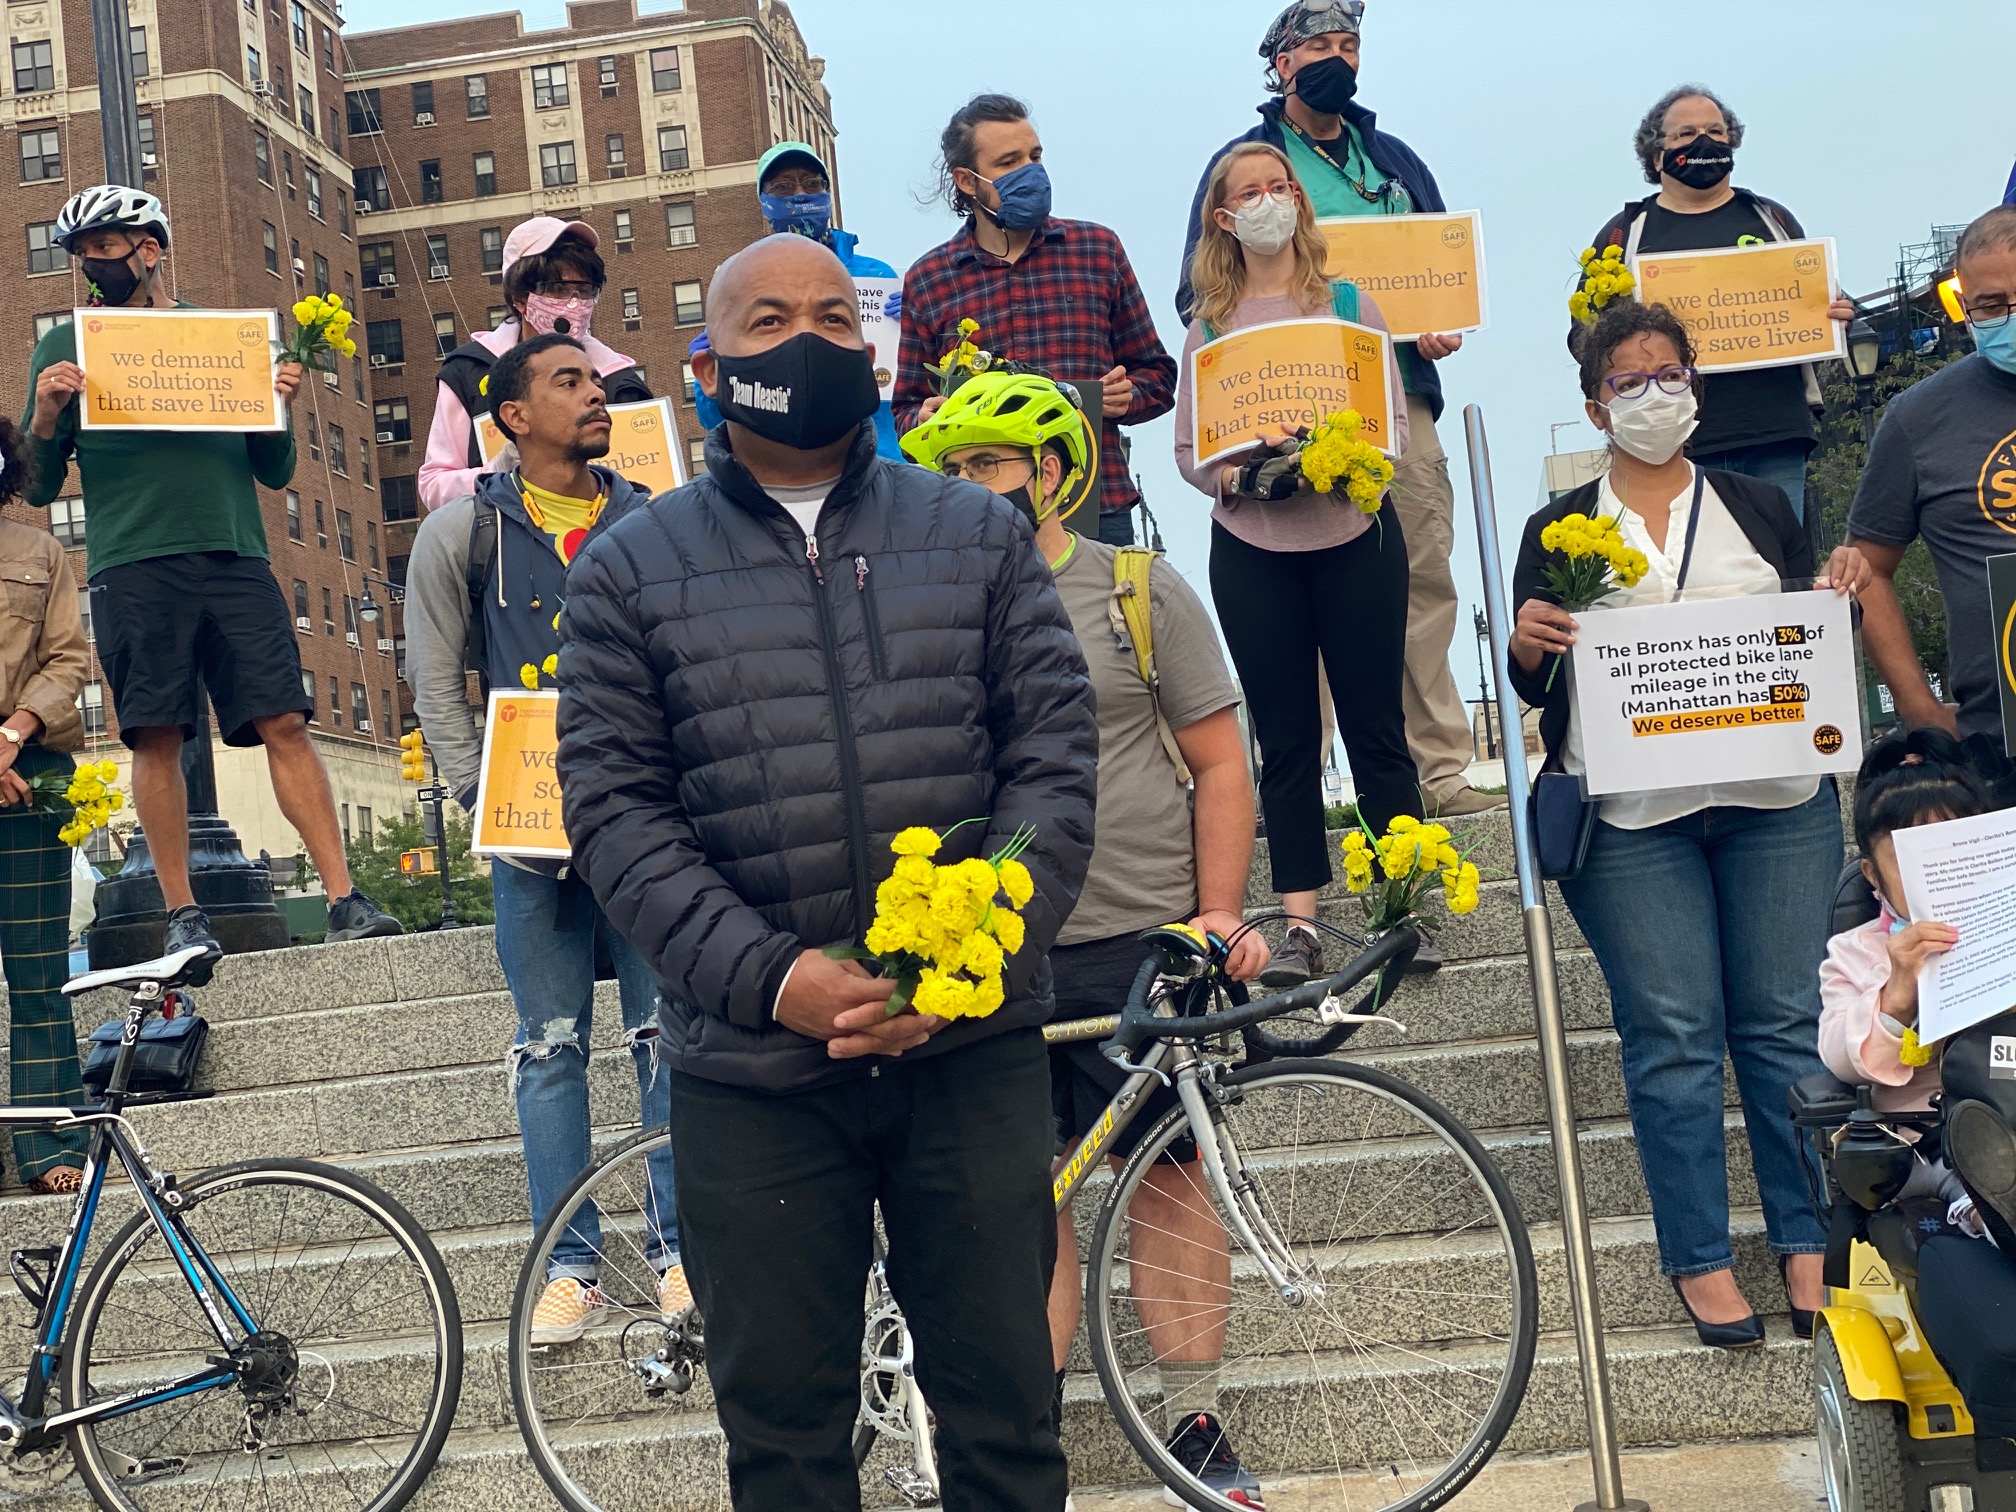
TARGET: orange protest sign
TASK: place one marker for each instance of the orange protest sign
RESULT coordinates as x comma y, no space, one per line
1292,372
1749,307
643,444
181,370
489,439
518,793
1425,272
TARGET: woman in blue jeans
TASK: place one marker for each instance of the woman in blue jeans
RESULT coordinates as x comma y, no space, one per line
1707,907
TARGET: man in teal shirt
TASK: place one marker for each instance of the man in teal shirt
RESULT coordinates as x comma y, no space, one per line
181,584
1348,166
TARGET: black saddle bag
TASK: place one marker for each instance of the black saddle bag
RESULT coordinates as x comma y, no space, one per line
165,1060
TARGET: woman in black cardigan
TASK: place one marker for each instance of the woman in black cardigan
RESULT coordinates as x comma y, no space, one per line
1706,907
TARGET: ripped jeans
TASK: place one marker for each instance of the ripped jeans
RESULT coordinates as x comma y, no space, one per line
549,933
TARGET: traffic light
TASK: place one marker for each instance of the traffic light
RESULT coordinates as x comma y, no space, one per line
412,757
417,863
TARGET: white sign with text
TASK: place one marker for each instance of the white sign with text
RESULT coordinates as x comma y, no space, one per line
1963,872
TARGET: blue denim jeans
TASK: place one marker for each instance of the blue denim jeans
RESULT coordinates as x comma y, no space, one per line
548,935
1780,462
1710,931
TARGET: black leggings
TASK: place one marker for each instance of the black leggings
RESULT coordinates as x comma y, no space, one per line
1967,1305
1278,609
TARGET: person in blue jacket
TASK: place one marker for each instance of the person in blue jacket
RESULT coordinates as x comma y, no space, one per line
796,192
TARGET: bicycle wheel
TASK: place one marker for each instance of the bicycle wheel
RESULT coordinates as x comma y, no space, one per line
1385,1366
596,1413
358,1358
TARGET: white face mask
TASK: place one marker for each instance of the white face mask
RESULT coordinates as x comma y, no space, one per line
1655,424
1267,225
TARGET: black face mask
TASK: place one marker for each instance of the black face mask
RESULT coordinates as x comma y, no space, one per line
1700,164
1020,498
1327,85
113,277
805,394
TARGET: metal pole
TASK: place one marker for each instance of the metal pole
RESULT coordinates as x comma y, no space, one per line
118,102
1583,1301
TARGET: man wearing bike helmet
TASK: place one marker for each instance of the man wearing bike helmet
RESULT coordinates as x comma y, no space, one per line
181,582
1159,854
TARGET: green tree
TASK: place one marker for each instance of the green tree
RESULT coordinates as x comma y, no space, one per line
416,901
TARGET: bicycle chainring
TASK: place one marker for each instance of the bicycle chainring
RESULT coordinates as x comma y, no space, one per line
885,1356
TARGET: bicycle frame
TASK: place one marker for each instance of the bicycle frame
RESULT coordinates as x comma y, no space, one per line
23,1424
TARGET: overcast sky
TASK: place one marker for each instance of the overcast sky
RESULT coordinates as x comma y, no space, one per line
1872,122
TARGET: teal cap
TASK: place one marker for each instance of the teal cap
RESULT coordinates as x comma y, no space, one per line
776,155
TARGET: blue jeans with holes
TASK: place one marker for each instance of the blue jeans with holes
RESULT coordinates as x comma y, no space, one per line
1780,462
549,933
1710,931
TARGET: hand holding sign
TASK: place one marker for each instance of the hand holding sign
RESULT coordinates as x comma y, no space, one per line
1277,378
181,370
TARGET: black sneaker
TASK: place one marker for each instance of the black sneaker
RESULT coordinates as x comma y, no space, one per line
1200,1447
358,918
1299,958
189,926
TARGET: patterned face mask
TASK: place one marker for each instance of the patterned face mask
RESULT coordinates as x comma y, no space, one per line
544,314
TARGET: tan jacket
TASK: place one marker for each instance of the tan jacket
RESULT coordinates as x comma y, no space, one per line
44,656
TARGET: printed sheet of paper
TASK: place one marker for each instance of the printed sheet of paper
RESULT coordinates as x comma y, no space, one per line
1963,872
881,307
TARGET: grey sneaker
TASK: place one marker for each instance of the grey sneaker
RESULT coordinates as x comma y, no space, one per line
358,918
188,926
1299,958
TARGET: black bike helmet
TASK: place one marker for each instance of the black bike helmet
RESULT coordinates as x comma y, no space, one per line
110,207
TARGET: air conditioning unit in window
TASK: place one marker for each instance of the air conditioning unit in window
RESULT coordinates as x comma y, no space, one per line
384,437
363,727
363,206
261,90
148,160
377,359
302,622
383,645
351,638
423,118
437,270
330,380
387,280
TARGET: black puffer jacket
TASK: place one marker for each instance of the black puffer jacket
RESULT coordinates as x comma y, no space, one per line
742,732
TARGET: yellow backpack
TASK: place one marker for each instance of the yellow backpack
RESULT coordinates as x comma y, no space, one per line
1130,611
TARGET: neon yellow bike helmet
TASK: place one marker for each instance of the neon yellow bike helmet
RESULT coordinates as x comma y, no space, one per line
1014,409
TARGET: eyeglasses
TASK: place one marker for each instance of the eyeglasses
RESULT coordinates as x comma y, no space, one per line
1989,314
1682,135
568,288
983,468
1281,190
796,183
1672,380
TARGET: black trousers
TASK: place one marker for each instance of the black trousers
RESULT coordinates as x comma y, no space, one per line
776,1220
1278,609
1967,1305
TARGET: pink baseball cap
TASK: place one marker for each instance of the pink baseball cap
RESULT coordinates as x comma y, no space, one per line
530,238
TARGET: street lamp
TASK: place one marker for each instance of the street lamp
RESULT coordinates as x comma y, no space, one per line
1865,355
1483,628
368,610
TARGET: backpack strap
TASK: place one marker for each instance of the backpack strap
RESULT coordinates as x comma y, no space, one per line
1344,300
1130,611
482,553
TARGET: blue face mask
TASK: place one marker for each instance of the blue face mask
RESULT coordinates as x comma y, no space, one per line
1025,198
804,214
1997,343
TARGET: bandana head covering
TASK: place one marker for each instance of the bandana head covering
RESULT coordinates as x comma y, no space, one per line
1303,20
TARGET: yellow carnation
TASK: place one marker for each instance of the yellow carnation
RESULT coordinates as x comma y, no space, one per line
1007,927
1017,883
916,842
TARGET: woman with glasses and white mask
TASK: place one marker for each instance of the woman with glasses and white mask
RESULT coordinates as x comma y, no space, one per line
1707,907
1762,422
1295,573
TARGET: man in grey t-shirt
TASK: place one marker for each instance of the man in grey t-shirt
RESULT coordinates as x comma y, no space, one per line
1943,467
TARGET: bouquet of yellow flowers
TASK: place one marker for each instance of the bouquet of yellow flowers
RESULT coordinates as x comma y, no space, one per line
87,793
529,675
1332,455
1602,279
1587,560
1414,858
321,328
964,361
943,933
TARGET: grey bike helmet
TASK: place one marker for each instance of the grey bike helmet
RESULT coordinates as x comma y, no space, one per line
110,207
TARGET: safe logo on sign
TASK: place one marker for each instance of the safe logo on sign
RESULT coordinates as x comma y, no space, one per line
1827,740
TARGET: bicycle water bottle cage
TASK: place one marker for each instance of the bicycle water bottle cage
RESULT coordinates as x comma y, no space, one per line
33,1284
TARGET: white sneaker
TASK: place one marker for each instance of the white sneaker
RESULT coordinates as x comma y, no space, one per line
565,1310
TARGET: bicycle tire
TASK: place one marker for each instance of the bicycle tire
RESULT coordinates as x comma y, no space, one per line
1104,1301
94,1466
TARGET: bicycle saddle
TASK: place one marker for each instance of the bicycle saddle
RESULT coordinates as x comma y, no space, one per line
1979,1069
167,970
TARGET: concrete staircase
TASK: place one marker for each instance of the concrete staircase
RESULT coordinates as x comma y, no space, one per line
388,1056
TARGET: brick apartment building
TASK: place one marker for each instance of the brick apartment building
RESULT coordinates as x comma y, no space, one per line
646,127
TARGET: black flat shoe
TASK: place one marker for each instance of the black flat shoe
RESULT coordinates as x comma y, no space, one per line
1746,1334
1802,1317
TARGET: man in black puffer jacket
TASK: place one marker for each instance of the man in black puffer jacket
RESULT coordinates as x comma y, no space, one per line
765,675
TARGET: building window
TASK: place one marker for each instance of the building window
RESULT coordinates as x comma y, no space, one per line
148,158
44,324
297,16
328,41
437,254
301,620
34,67
262,156
373,189
270,240
41,155
400,498
335,129
375,260
423,103
307,99
294,519
390,421
313,175
618,161
357,377
371,536
491,242
360,716
679,228
308,692
287,171
315,455
386,693
339,456
252,70
556,164
84,610
486,174
696,454
633,308
364,456
44,256
66,521
671,148
347,549
386,341
664,69
350,622
321,275
336,718
328,612
92,704
444,335
476,92
686,378
689,307
549,87
605,70
625,230
496,315
136,48
362,108
430,181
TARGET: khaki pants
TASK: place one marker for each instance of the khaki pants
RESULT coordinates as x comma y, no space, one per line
1438,721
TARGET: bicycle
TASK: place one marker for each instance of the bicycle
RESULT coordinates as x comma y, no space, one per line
311,1356
1341,1360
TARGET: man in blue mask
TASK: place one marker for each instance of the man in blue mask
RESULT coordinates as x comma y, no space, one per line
1943,466
796,193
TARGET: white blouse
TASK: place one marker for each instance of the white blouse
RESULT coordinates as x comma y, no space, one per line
1725,565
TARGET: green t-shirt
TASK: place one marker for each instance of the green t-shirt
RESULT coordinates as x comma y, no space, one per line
155,493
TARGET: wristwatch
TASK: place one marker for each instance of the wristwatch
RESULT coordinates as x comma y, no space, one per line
12,735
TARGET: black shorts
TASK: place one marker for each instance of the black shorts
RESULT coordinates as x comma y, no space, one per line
1093,980
166,621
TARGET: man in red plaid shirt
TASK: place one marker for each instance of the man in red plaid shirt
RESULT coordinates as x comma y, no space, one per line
1053,294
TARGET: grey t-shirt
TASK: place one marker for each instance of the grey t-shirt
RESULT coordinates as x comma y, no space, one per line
1943,466
1144,866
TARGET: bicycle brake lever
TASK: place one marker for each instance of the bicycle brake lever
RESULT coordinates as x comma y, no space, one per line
1126,1065
1332,1011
